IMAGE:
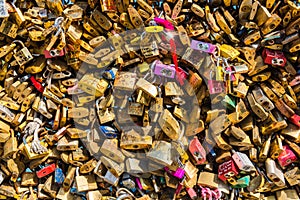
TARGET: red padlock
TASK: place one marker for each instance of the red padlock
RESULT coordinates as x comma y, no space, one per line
54,53
37,84
286,157
197,151
295,119
46,170
275,58
227,170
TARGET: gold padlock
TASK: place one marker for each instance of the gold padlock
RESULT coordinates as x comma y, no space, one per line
132,140
92,85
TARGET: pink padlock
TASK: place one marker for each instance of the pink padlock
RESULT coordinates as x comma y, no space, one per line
197,151
164,70
179,173
286,157
215,87
54,53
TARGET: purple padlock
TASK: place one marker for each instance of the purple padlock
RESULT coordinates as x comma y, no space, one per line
179,173
164,70
203,46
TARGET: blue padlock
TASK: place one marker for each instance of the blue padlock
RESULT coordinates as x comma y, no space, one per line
59,176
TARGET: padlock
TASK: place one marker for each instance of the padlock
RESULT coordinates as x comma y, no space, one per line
276,147
91,195
243,162
132,140
169,125
92,85
286,157
164,70
66,144
23,55
156,154
257,108
85,183
227,170
8,28
109,149
46,170
10,146
262,99
106,115
274,173
79,155
197,151
275,58
242,182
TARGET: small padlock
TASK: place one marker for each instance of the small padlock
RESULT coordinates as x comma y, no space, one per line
227,170
286,157
275,58
169,125
23,55
85,183
197,151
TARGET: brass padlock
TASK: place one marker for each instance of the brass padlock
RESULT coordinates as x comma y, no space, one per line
169,125
156,154
85,183
10,146
92,85
132,140
23,55
8,28
110,149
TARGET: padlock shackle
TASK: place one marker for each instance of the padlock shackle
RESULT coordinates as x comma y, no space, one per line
19,41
